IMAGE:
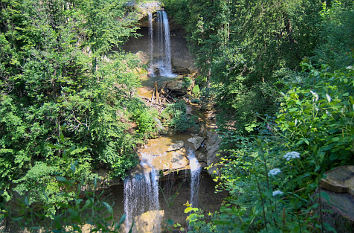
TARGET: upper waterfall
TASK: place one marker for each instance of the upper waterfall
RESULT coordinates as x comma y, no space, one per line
163,62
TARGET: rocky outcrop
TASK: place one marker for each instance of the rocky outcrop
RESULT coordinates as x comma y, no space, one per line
176,146
206,149
339,180
337,198
177,87
149,221
212,147
196,142
181,70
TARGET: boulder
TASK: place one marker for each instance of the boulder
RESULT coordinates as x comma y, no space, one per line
196,142
201,156
181,70
149,222
189,110
160,128
338,210
339,180
176,146
176,85
337,198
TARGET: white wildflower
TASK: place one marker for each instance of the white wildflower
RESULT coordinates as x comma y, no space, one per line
274,172
328,98
315,96
349,67
277,192
291,155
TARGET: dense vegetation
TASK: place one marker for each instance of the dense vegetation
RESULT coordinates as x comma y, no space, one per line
67,104
280,76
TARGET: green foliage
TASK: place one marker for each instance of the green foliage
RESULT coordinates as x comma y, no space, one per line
280,75
196,91
336,48
66,97
240,44
85,211
312,133
145,120
175,116
187,82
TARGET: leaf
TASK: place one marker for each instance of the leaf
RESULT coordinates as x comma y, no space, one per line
131,228
188,209
122,219
108,207
329,228
170,222
61,179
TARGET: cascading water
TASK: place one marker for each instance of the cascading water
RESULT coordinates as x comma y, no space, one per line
164,45
151,34
195,169
141,194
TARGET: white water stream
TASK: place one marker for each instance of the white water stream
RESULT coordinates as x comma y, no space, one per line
141,189
164,61
151,34
141,194
195,169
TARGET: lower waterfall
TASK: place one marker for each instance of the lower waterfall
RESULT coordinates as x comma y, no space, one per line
141,195
195,169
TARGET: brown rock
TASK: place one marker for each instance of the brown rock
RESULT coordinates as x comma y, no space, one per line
149,222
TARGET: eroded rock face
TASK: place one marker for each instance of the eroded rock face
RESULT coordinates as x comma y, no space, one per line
181,70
